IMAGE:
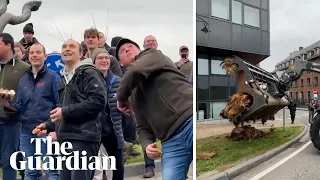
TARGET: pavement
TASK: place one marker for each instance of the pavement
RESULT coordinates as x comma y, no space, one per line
158,175
273,165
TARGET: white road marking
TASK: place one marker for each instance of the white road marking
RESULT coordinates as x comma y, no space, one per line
263,173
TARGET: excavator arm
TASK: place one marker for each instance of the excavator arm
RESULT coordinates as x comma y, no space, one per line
263,94
293,73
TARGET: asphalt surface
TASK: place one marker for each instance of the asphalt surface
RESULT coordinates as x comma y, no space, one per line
299,162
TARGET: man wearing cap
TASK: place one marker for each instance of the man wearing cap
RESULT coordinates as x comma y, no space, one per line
184,65
161,99
28,40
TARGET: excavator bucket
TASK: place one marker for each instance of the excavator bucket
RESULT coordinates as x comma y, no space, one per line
257,87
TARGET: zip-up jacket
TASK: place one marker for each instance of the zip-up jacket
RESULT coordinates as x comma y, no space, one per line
112,119
36,97
82,98
10,74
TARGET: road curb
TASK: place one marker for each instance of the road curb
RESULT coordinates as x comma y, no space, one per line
247,165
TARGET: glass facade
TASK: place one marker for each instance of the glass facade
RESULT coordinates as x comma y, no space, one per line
235,27
213,87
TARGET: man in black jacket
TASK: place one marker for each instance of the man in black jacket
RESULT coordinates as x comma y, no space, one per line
82,93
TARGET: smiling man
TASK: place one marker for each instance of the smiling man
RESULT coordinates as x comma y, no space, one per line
37,96
150,42
83,101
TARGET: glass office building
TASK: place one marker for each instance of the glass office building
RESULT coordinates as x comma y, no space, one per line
226,28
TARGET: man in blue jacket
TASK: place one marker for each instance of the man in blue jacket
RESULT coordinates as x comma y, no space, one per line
112,133
37,96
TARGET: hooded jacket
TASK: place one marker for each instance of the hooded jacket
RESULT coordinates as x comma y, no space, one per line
82,97
10,75
161,96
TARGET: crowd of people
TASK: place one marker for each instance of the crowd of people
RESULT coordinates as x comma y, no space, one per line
106,98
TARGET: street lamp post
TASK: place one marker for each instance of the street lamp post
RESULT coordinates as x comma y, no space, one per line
284,119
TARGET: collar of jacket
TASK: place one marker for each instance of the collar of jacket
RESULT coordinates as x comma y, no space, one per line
23,41
109,76
145,52
42,70
11,61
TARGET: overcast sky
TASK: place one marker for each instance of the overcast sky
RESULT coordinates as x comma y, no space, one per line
169,21
293,23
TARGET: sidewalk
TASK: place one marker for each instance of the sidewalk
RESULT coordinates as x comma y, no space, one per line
208,130
158,176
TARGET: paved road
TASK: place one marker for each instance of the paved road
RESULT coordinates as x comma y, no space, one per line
299,162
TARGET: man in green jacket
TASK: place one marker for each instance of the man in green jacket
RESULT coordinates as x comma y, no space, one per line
161,99
11,71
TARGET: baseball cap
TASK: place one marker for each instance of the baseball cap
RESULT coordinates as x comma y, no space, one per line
183,47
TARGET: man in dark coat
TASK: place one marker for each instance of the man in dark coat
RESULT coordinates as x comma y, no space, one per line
292,108
28,39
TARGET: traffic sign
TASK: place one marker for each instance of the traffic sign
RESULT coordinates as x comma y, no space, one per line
55,63
315,94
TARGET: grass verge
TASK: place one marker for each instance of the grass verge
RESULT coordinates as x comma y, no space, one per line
230,153
140,158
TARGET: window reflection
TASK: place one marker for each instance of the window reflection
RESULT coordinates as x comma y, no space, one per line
203,66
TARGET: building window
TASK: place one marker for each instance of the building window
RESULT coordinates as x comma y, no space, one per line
220,9
315,81
291,95
216,68
216,108
202,88
203,66
297,97
308,81
301,83
302,96
251,16
232,85
202,111
312,53
219,88
309,96
236,12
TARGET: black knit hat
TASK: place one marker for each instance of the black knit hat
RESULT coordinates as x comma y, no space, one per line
122,42
28,28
